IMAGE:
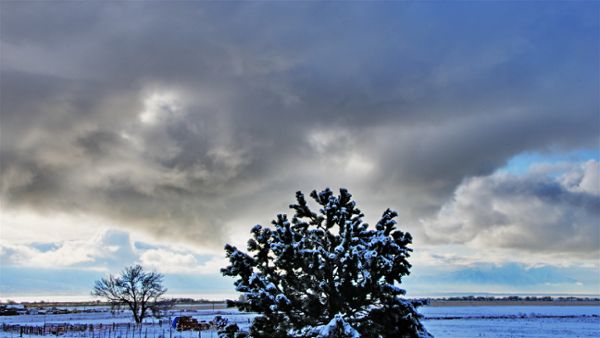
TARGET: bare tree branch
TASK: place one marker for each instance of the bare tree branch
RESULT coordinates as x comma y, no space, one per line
134,288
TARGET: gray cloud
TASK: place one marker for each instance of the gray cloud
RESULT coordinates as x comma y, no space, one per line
183,118
536,212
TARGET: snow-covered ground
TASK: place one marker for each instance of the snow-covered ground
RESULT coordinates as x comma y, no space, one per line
152,328
455,321
513,321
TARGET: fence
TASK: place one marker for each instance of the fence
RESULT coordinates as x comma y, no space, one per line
114,330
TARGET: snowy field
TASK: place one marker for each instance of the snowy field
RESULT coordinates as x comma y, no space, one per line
512,321
450,321
108,325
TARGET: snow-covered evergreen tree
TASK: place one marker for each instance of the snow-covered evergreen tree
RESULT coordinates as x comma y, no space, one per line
326,270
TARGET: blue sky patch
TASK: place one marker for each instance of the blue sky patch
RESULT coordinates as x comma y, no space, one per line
520,164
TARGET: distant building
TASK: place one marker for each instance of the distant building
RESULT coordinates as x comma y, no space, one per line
36,311
12,309
15,307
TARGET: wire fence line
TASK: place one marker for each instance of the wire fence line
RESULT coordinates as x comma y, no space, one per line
114,330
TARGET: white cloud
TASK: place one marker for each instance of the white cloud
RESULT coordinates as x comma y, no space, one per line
160,105
339,148
535,212
106,250
583,178
169,261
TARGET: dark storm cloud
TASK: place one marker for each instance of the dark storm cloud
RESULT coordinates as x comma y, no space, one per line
181,117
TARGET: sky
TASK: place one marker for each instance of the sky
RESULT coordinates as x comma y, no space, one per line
157,132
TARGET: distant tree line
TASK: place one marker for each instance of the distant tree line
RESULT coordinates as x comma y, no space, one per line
194,301
517,299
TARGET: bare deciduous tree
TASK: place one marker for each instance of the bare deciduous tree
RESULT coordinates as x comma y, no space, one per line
135,289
